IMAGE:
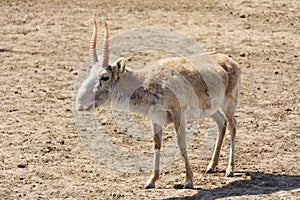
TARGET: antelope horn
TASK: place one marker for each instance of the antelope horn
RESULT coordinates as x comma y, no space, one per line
93,53
105,50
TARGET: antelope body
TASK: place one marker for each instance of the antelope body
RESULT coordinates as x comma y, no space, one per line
175,89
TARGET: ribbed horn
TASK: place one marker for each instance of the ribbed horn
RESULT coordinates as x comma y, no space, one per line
105,46
93,53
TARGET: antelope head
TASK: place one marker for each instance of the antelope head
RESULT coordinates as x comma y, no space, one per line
97,88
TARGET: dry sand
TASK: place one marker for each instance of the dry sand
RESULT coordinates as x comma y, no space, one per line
43,46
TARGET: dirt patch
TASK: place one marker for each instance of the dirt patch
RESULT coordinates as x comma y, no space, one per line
43,45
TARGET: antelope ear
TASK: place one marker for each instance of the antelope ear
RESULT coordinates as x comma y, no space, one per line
118,66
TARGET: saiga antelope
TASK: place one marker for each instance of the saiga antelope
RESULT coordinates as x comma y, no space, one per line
215,82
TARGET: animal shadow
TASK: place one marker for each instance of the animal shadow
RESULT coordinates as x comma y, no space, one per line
260,183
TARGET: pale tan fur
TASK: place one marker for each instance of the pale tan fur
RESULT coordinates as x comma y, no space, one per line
170,90
215,80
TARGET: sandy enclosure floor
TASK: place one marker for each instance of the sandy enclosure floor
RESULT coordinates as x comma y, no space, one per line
43,45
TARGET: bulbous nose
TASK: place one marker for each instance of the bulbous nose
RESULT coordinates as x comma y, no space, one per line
79,107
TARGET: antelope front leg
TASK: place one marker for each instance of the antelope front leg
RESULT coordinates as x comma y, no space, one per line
179,122
157,131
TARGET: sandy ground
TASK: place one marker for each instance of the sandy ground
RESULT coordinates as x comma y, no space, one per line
43,45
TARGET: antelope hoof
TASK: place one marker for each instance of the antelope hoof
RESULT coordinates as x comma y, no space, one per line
188,185
149,186
210,171
229,173
211,168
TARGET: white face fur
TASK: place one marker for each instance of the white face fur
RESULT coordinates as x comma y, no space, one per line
96,89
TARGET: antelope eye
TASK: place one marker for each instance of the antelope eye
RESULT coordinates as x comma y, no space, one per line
104,78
